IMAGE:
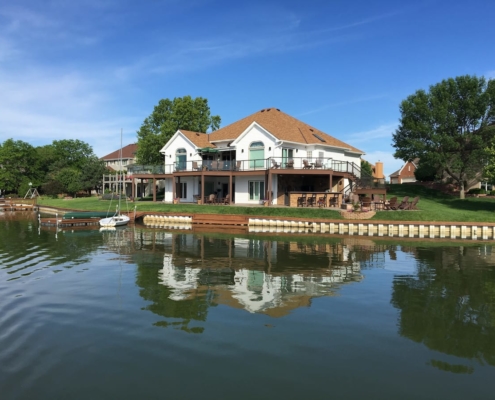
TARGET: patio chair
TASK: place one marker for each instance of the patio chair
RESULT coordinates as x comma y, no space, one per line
311,200
195,166
211,199
226,199
237,166
289,164
378,202
392,204
275,164
302,200
404,204
306,165
318,164
322,201
412,204
214,166
366,202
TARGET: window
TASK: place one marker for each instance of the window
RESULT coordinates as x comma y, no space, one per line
310,156
181,159
320,156
257,155
256,190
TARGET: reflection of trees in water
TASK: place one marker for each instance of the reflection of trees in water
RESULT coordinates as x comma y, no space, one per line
28,249
450,304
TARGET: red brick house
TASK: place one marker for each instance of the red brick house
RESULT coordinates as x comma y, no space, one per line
406,173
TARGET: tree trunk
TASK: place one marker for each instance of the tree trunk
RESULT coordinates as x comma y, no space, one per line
461,192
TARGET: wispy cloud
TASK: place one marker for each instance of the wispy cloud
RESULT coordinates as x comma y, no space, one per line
380,132
490,74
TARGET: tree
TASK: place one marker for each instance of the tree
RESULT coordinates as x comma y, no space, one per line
366,168
71,153
18,165
92,172
448,126
168,117
70,180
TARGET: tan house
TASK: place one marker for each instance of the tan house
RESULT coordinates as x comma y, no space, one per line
406,173
113,164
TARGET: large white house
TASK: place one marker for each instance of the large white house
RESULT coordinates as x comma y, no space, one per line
262,157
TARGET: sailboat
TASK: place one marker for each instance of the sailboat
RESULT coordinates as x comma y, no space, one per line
117,219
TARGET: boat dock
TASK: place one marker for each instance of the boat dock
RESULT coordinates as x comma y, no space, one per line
67,223
18,205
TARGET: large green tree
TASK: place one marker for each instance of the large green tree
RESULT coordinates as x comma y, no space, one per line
448,126
168,117
18,166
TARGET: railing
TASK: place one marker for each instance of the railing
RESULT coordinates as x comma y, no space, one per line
299,163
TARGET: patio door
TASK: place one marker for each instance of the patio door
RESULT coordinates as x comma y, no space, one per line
287,154
256,190
257,155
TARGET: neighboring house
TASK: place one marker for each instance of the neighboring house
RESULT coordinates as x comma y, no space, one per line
112,160
266,155
406,173
113,164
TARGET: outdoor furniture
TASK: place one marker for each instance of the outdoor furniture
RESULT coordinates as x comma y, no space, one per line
195,166
275,164
391,204
226,199
412,204
306,165
311,201
289,164
211,199
237,166
378,202
322,201
214,166
318,164
334,200
366,202
302,200
404,204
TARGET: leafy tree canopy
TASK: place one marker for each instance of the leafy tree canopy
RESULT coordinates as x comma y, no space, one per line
366,168
448,126
18,163
71,153
168,117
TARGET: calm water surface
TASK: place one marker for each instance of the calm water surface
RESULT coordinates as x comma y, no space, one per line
141,313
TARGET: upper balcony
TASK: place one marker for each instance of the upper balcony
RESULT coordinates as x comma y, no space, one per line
273,163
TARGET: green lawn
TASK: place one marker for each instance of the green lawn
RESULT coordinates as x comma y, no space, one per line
433,206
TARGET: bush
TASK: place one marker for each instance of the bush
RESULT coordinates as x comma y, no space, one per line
477,191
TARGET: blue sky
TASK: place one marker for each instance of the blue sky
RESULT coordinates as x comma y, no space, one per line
85,69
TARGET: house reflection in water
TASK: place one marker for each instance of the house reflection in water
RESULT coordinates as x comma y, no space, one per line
260,276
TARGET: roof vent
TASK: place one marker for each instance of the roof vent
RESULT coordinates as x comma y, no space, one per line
278,109
263,110
268,109
197,134
311,129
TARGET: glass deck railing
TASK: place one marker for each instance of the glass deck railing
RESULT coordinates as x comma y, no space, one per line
299,163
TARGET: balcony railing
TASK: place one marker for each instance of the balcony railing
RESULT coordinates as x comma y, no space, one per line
294,163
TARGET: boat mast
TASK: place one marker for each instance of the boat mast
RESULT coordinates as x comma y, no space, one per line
121,170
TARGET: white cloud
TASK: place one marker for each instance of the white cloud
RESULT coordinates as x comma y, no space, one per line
490,74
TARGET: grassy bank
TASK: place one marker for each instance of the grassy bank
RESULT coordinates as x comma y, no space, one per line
433,206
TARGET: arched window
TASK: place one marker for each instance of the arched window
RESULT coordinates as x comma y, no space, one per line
257,155
180,159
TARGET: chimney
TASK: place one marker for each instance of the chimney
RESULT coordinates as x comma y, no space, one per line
379,170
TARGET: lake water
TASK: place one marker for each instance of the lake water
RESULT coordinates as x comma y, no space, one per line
141,313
